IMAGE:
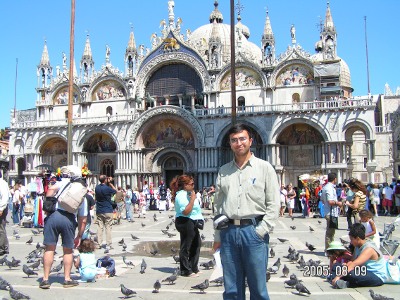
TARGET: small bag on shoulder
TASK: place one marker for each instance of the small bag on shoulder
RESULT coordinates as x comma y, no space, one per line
199,224
333,221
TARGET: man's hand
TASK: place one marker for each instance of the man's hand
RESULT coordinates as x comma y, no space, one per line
1,213
216,246
77,241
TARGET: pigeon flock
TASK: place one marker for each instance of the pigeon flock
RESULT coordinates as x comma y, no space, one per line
290,268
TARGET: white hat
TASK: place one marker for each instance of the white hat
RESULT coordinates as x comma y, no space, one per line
71,171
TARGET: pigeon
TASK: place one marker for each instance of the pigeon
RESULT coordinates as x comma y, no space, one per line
128,263
170,235
293,227
143,224
124,246
173,250
285,271
17,236
15,261
273,269
57,268
156,286
165,231
292,218
17,295
310,247
143,266
167,227
311,229
177,271
4,282
319,222
170,216
208,265
203,237
126,292
302,289
155,218
106,251
4,287
121,242
154,252
3,260
378,297
201,286
15,231
282,240
12,264
35,265
35,232
176,258
292,281
218,281
29,242
28,271
344,242
272,253
135,238
277,263
170,279
301,262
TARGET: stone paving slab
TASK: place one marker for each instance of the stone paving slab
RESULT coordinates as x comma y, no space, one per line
162,265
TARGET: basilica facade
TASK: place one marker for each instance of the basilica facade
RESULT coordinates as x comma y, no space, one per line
169,111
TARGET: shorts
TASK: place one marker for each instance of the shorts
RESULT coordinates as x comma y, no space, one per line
376,201
387,202
283,204
291,203
60,222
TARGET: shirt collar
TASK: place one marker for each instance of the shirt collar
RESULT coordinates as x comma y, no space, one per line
250,162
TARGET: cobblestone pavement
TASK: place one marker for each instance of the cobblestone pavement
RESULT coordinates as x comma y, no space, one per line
162,264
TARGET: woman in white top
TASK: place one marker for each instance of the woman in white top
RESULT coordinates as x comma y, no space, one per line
375,198
16,203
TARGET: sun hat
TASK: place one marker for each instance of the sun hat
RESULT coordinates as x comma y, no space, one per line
71,171
336,245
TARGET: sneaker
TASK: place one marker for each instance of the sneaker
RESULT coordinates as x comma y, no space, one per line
193,275
45,284
341,284
70,283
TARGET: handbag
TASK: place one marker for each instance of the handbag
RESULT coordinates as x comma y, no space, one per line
333,221
199,224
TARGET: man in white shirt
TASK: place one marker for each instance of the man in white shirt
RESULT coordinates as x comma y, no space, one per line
331,207
387,194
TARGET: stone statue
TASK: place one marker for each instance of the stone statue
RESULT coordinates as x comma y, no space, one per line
293,34
171,5
64,60
108,52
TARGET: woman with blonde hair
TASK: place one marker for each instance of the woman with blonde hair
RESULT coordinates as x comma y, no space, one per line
360,198
188,220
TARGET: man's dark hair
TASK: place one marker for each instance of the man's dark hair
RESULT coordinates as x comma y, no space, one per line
357,230
331,177
102,178
239,127
128,187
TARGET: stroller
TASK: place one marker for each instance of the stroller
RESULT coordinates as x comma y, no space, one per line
387,245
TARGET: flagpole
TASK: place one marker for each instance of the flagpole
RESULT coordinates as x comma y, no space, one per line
366,51
15,87
233,68
71,84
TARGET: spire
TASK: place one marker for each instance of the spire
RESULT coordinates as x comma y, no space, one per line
268,33
87,52
243,28
171,14
329,26
45,61
131,43
216,14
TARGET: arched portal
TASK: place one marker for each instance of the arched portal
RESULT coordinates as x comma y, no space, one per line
54,152
172,165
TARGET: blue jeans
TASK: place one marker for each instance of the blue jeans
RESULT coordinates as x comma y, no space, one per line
128,206
359,280
21,211
15,213
244,254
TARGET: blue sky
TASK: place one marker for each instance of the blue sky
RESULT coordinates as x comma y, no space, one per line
25,24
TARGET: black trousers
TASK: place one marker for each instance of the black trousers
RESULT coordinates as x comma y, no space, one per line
3,234
190,245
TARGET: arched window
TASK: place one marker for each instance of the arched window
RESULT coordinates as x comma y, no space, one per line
107,167
296,98
109,111
241,103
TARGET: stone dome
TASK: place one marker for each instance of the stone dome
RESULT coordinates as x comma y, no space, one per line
200,38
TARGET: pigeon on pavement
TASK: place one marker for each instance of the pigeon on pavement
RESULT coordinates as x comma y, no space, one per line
378,296
57,268
35,265
302,289
128,263
176,258
272,253
282,240
134,237
285,271
201,286
310,247
143,266
126,292
156,286
170,279
17,295
28,271
218,281
29,242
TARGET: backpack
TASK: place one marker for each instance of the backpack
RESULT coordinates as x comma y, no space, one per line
72,195
108,263
134,198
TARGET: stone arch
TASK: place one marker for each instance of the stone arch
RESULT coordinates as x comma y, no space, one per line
54,151
355,124
280,127
297,69
147,70
161,154
163,112
107,87
61,94
85,136
225,74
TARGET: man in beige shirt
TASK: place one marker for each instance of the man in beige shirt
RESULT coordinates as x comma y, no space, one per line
247,192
